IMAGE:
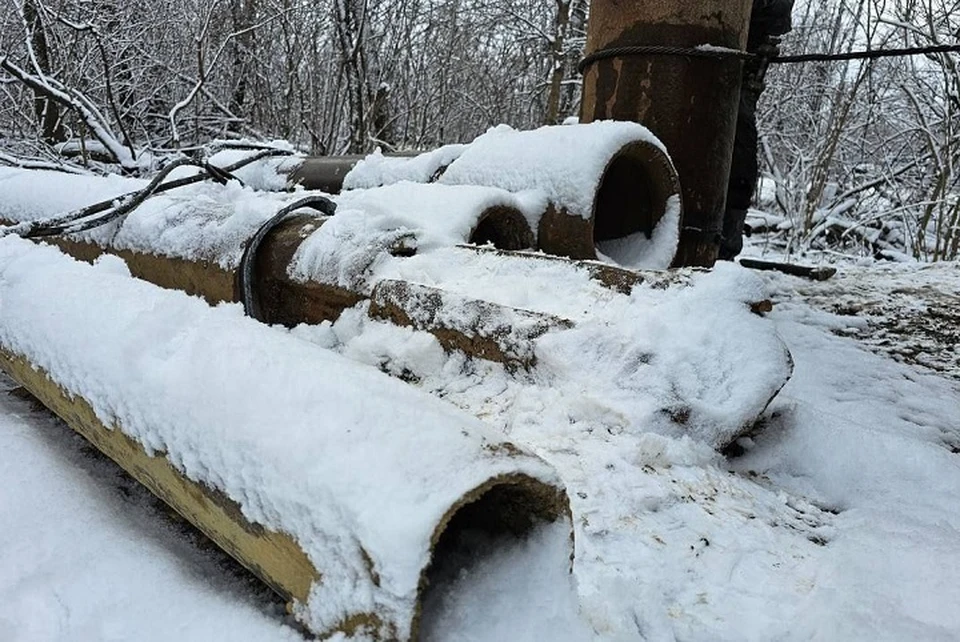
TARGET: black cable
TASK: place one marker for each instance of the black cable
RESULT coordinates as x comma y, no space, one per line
74,221
662,50
867,55
78,221
717,53
245,276
220,175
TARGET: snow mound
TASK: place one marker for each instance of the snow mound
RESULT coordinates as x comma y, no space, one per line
27,194
566,162
376,169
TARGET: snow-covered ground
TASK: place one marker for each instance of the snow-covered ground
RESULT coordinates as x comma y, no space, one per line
837,520
88,554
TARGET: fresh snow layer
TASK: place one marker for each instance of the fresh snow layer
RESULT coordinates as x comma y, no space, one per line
648,360
438,215
205,221
562,164
357,467
566,162
268,174
909,311
210,222
637,252
376,169
202,222
838,523
27,194
349,248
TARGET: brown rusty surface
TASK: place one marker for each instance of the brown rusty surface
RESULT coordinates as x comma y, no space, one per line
289,302
480,328
564,234
632,196
326,173
199,278
689,103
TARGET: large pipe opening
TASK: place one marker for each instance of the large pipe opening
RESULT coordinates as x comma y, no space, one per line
504,507
633,195
632,199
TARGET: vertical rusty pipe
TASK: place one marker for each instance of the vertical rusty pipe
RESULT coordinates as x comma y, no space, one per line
689,103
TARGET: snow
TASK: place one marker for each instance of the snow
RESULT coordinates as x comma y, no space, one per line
566,162
32,194
838,522
909,311
563,163
439,215
239,407
526,171
377,170
202,222
675,541
637,252
834,519
205,221
85,554
268,174
871,439
471,604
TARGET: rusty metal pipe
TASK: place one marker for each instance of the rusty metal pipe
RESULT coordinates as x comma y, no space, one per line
689,103
326,173
503,491
632,196
289,302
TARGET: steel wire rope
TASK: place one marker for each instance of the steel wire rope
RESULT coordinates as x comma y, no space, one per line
718,53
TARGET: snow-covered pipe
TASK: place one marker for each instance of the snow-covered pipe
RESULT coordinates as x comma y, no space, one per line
192,239
607,186
611,187
336,484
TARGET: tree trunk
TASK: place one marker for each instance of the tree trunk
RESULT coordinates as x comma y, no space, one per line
47,111
243,14
557,60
